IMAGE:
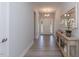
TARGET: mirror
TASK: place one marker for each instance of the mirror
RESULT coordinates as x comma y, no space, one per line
69,19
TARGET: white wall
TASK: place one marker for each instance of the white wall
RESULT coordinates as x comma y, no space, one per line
66,6
21,28
57,19
4,28
36,24
76,31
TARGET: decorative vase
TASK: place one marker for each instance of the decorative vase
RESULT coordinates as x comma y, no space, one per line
68,33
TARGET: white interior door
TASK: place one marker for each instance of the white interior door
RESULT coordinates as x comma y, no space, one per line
46,26
46,23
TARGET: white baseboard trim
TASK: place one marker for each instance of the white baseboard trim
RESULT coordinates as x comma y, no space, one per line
26,50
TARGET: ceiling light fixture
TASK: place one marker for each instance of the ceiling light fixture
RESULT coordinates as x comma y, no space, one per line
46,15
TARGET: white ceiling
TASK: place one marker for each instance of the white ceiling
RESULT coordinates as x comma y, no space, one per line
46,6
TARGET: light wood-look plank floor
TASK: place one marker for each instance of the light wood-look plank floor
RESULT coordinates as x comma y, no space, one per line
45,46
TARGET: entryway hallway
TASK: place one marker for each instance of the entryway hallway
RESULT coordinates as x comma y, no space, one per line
25,25
45,46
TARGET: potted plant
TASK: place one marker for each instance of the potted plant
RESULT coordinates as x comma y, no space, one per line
68,30
68,25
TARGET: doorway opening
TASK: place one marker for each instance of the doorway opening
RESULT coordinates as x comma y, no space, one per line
46,23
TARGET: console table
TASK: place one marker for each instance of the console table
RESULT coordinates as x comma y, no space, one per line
69,46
